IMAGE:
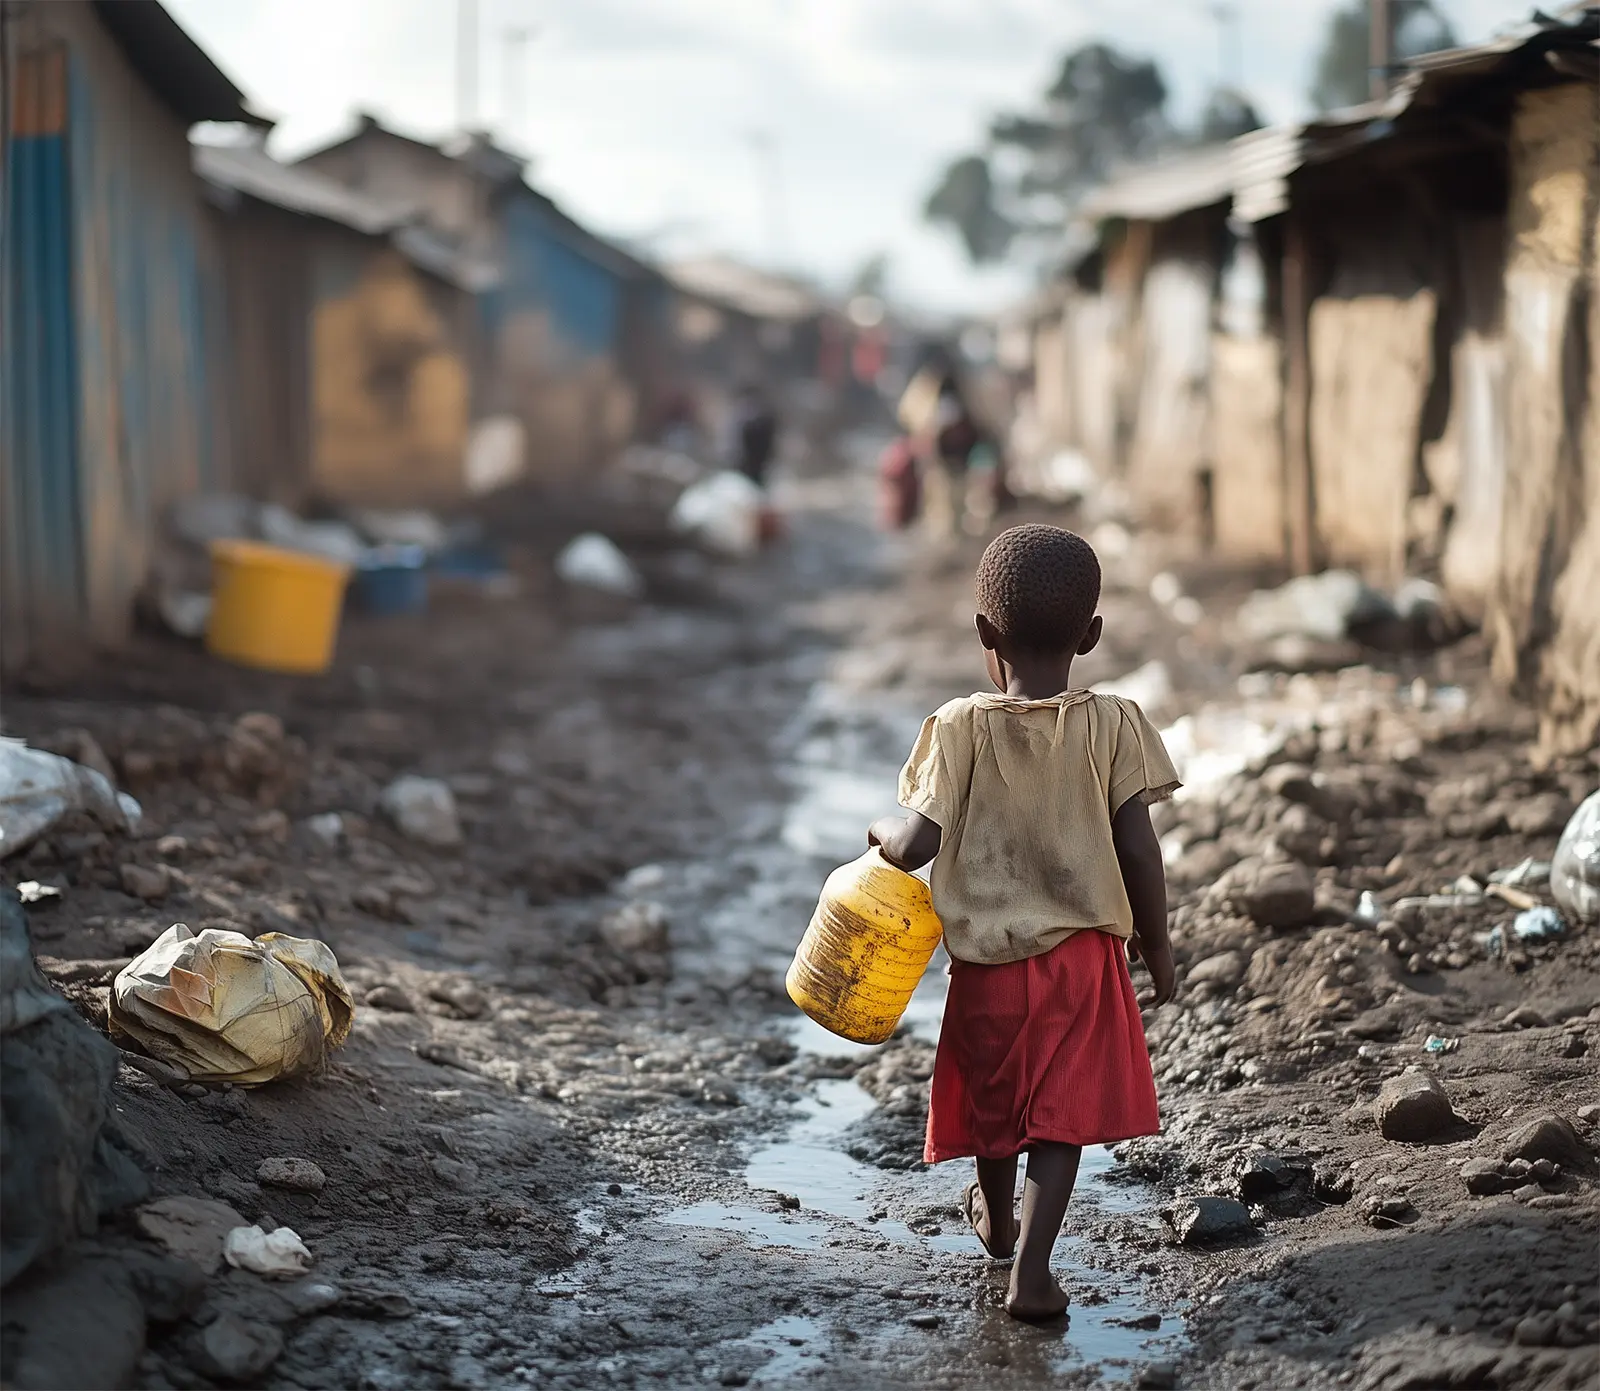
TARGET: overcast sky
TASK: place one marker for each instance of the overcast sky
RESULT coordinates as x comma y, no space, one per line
643,117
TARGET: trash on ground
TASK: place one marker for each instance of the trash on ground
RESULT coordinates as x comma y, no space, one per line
331,540
1435,1043
184,612
497,454
592,561
1324,607
1575,867
1515,897
31,891
224,1008
1493,942
405,528
723,513
423,809
1368,910
38,790
327,827
1529,874
1149,686
280,1254
1541,924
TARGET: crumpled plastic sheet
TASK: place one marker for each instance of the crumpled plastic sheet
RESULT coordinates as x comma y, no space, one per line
38,789
278,1253
224,1008
1575,867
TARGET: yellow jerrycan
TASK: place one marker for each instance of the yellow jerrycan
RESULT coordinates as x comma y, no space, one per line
866,948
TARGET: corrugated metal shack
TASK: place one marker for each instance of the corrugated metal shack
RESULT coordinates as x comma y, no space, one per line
349,349
1403,305
571,331
107,409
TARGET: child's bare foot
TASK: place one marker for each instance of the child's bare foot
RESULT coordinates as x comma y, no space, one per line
999,1242
1036,1302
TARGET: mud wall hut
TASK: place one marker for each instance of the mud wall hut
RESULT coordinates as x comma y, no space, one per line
109,284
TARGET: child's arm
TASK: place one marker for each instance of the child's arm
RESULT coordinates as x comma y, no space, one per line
1145,877
908,842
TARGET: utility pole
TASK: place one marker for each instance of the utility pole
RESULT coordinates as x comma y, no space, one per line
770,179
1380,43
515,47
466,63
1230,52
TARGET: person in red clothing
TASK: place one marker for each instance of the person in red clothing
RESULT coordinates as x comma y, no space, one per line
1032,805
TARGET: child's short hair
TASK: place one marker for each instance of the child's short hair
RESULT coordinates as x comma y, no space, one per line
1039,586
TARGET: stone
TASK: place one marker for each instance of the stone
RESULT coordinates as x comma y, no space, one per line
291,1172
1225,969
1525,1017
149,882
422,809
1485,1177
1589,1115
236,1349
81,1325
1535,1331
1262,1175
1279,895
924,1320
1413,1108
1332,1183
1393,1211
638,926
168,1288
391,998
1574,1046
1158,1376
192,1229
1549,1137
461,995
1544,814
1208,1218
1291,781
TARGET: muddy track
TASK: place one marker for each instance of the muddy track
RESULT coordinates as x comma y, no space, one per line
579,1138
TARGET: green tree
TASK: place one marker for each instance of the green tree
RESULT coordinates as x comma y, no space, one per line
1227,114
1342,75
1104,108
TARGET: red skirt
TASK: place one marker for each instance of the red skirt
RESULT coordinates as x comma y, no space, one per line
1050,1048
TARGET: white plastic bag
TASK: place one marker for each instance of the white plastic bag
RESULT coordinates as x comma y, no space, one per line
278,1253
38,789
592,561
1575,868
722,513
423,809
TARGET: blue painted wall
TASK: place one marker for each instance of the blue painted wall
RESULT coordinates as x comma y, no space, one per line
545,267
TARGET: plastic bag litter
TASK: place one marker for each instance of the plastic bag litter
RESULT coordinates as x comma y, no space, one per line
722,512
422,809
1323,607
38,789
278,1253
1541,924
224,1008
332,540
1575,868
592,561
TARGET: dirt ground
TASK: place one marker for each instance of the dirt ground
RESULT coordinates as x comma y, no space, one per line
579,1137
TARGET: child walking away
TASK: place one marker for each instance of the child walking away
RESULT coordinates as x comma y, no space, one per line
1032,805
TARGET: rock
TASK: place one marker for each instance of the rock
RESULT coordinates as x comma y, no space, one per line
295,1174
1544,814
1413,1108
1485,1177
1291,781
422,809
1226,969
1574,1045
1549,1137
1158,1376
391,998
1332,1183
924,1320
1208,1218
461,995
149,882
1279,895
1589,1115
236,1349
1535,1331
81,1325
1261,1175
374,1302
638,926
192,1229
168,1288
1525,1017
1393,1211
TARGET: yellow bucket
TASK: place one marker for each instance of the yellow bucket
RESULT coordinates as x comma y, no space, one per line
866,948
273,608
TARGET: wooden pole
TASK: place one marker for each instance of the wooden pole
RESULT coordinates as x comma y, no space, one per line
1380,36
1298,492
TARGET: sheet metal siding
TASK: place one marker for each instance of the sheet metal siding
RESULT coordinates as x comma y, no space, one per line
43,561
142,341
542,269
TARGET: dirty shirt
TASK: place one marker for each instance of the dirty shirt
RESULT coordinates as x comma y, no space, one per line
1023,792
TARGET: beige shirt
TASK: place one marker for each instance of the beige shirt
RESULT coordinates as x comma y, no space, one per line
1024,792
